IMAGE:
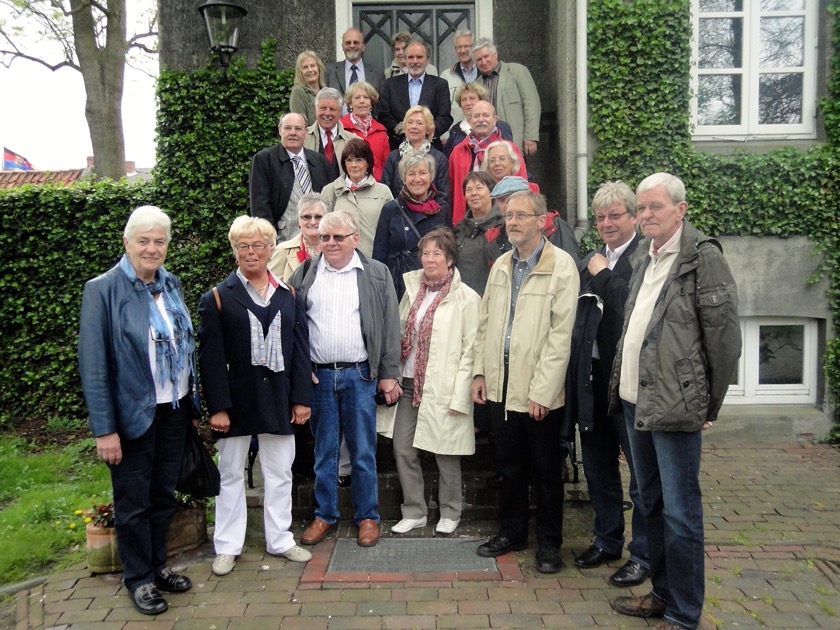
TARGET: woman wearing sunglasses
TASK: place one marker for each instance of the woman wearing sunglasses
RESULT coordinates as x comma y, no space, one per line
289,255
256,376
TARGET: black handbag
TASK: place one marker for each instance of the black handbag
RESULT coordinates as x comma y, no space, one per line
200,476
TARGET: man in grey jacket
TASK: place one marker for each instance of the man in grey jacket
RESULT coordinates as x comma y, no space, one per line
354,332
678,350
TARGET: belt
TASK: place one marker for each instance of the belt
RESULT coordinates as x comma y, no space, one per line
339,365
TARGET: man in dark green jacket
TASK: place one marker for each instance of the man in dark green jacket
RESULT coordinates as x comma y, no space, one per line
678,350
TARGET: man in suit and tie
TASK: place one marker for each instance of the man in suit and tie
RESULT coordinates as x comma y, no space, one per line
604,286
415,88
283,173
327,136
353,68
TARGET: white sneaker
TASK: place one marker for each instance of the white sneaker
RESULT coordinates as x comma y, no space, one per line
407,524
296,554
446,526
223,564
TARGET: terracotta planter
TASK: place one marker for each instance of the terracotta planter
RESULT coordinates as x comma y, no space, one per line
187,531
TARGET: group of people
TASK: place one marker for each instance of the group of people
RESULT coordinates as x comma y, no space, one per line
369,314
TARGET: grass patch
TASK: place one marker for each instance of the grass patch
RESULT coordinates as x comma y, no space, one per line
40,495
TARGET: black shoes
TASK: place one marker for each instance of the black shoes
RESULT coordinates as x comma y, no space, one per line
148,601
344,481
499,546
167,580
631,574
548,559
645,606
595,557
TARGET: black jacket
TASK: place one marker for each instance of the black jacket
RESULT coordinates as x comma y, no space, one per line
591,324
273,177
394,103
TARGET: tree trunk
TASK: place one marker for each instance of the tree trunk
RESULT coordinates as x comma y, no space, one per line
103,70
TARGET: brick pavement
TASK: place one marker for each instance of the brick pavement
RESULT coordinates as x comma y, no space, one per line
772,518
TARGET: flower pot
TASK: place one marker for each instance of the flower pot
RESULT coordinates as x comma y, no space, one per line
187,531
102,556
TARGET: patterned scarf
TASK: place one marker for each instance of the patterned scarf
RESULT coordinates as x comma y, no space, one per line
423,337
426,205
173,354
361,125
405,147
478,147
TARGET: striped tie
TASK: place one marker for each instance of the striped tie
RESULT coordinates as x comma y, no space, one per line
302,174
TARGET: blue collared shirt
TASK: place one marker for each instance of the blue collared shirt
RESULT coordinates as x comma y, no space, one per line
414,88
521,270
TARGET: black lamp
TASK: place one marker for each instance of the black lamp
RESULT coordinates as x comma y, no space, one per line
222,20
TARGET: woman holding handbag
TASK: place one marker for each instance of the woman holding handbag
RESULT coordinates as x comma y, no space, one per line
256,377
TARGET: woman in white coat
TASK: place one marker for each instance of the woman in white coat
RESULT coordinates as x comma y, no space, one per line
439,317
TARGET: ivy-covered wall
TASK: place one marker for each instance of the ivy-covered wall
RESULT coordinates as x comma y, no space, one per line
639,68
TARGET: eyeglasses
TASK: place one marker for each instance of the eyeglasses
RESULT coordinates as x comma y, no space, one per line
519,216
338,238
309,217
613,216
257,247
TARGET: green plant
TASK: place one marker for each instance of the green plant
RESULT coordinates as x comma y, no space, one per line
101,514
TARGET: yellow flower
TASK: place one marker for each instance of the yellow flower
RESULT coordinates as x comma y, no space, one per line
72,526
78,512
58,522
88,519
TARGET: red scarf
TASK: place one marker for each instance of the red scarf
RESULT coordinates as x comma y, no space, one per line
426,205
423,337
478,147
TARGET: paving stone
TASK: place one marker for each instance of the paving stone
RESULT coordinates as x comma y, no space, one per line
401,622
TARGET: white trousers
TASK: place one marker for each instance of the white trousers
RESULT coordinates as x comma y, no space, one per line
277,452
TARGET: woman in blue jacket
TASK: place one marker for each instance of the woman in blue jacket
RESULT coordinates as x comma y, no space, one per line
136,360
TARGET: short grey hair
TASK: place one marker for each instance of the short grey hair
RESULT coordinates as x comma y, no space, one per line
673,185
328,94
287,114
610,192
415,158
145,218
463,32
419,42
311,200
338,219
537,201
484,42
515,161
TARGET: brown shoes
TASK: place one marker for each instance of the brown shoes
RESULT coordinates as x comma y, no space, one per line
317,531
644,606
368,533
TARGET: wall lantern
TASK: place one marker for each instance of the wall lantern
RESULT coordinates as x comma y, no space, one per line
222,20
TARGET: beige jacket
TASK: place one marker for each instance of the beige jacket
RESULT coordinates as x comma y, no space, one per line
448,373
285,259
365,204
541,335
518,102
312,141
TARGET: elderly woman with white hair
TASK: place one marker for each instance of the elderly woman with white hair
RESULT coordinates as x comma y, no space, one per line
256,378
289,255
503,160
136,360
417,210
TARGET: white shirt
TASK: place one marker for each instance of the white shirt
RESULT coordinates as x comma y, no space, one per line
360,71
335,323
163,393
612,260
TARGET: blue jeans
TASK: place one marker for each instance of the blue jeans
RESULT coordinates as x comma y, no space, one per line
342,404
667,465
144,492
599,450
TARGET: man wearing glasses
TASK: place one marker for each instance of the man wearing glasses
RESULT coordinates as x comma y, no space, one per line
604,285
522,351
354,329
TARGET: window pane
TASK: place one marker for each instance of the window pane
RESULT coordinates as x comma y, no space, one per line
719,99
711,6
782,42
782,5
780,360
780,99
720,43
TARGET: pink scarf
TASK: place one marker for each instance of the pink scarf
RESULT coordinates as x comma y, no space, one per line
480,146
423,337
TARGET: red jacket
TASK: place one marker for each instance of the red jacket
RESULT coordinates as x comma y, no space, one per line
377,139
459,166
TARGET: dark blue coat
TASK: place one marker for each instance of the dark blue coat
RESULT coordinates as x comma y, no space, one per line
256,399
395,243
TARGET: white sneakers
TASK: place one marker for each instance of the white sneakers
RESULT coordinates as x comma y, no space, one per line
296,554
446,526
407,524
223,564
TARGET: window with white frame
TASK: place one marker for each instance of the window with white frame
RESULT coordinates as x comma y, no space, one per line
778,362
754,68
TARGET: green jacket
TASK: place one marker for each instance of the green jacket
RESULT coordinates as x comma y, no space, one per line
692,342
